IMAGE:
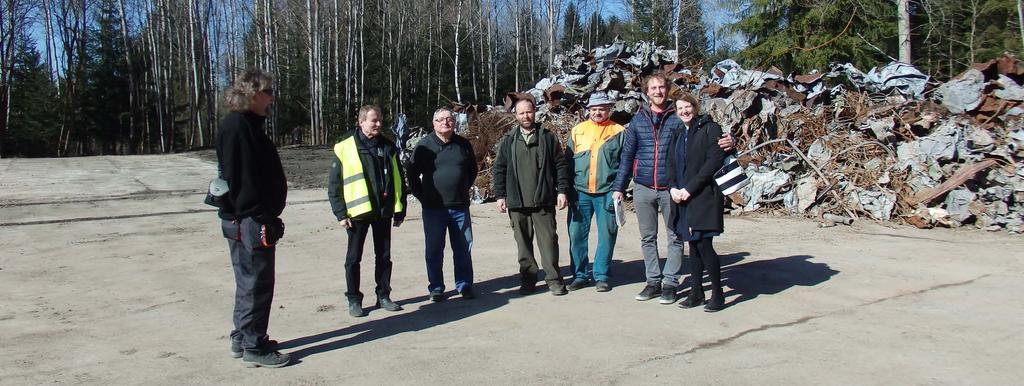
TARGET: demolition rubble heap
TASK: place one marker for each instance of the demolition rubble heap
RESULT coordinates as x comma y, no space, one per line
890,144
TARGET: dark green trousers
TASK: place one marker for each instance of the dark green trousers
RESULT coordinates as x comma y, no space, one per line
528,223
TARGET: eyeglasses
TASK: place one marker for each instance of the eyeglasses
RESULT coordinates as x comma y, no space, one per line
268,91
449,119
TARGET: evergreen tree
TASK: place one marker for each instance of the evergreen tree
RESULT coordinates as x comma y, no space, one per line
949,35
693,40
572,28
651,20
33,129
604,31
801,35
105,97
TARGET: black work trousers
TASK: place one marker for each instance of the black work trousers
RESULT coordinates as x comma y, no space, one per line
382,257
254,282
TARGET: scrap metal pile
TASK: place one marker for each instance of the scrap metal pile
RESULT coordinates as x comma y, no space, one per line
889,144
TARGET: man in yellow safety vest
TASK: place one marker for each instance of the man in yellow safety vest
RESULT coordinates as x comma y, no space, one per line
366,190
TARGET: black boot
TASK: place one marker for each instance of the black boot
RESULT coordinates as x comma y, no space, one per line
696,296
528,283
386,303
355,308
694,299
717,302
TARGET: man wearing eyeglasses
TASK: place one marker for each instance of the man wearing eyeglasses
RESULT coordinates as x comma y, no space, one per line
442,170
366,190
250,218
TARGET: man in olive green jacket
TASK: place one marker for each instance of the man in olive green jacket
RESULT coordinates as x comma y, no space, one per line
530,176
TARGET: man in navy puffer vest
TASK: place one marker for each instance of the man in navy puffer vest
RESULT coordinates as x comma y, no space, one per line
644,157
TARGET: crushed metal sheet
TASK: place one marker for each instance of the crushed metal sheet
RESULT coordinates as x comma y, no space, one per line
958,204
879,204
964,93
764,183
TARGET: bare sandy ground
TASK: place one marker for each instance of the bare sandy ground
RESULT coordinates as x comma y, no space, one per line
113,272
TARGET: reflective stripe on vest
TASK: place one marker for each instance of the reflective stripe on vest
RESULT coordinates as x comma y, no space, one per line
354,186
397,180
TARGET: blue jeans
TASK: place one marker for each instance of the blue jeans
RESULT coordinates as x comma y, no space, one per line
457,223
580,213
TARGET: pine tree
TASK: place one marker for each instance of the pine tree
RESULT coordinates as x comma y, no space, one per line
651,20
572,28
33,130
105,97
802,35
955,33
693,40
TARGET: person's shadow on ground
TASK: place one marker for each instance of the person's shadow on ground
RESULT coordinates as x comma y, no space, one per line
634,271
769,277
489,297
491,294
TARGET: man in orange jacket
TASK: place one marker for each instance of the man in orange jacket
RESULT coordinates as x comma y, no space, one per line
594,146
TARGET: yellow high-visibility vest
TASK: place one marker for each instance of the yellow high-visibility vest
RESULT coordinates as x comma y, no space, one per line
354,186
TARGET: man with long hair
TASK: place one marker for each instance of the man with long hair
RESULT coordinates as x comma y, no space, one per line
248,161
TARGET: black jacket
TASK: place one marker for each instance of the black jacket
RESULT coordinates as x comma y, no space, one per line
703,158
248,161
440,174
555,175
375,155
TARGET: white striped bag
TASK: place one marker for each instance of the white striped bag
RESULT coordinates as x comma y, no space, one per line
730,177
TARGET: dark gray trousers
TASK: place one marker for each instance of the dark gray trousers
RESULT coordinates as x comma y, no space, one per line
647,202
254,282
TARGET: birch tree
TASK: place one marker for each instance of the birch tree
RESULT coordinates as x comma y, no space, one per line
455,64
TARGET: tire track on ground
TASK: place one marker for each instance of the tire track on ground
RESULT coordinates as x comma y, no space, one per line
129,196
138,215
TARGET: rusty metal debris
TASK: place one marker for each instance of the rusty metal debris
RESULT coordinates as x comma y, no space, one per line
890,144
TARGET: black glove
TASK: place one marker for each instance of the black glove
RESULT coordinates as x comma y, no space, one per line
272,232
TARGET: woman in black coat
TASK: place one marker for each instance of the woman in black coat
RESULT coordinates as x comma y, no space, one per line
693,160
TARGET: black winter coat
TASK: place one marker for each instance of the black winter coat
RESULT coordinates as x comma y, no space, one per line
555,175
248,161
703,158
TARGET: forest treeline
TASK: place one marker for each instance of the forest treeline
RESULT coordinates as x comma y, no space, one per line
89,77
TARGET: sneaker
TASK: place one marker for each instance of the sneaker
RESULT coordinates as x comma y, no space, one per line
649,292
437,296
577,284
668,295
270,359
557,289
603,286
236,347
386,303
467,293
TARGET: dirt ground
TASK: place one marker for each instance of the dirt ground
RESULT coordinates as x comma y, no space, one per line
112,271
